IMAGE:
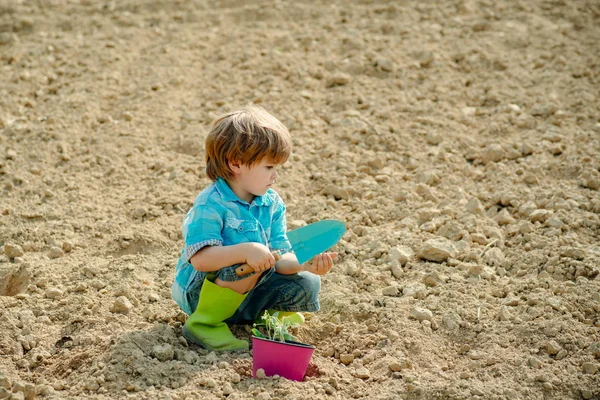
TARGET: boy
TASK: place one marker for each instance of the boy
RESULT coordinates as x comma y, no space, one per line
240,219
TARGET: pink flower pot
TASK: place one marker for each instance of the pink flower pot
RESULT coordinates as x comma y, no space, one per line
289,359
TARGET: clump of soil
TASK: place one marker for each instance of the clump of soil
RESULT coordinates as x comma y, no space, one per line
458,140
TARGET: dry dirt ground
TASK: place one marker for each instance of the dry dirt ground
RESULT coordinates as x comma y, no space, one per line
459,140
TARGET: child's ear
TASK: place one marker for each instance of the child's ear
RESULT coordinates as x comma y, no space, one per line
235,166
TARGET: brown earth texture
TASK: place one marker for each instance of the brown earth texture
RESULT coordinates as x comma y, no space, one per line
459,140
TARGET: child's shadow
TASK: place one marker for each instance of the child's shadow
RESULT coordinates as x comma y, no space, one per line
157,358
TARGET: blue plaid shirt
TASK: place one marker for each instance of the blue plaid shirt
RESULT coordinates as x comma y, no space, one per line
220,218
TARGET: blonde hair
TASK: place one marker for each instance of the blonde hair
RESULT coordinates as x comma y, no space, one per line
247,136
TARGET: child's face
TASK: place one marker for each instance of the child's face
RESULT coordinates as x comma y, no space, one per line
255,180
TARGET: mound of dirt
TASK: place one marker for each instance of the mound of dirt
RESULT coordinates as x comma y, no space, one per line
459,141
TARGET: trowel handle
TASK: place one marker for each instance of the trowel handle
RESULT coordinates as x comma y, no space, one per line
245,269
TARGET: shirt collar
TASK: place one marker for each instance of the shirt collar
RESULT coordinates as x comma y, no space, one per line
228,195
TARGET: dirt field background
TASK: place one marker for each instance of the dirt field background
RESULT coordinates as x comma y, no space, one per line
458,140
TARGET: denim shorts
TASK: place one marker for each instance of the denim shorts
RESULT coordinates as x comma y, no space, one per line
295,292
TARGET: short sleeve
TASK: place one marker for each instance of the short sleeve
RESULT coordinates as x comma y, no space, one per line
202,227
279,239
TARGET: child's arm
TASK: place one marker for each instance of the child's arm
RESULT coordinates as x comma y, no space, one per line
213,258
320,266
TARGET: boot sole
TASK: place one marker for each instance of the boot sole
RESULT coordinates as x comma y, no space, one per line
191,338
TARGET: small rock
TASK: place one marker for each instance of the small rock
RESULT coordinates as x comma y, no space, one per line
153,298
561,354
390,291
504,314
67,247
539,215
587,394
552,347
511,301
260,373
534,362
554,223
337,79
397,270
589,368
347,358
401,253
227,389
595,349
263,395
413,289
452,320
335,191
122,305
55,252
421,314
504,217
474,206
525,227
163,352
492,153
395,366
437,249
543,110
385,64
53,293
362,373
91,385
530,178
13,250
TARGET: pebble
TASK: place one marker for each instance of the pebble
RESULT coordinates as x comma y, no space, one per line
504,217
390,291
347,358
153,298
438,250
13,250
511,301
412,289
385,64
227,389
263,395
553,348
163,352
122,305
53,293
595,349
401,253
492,153
67,247
55,252
337,79
397,270
587,394
534,362
337,192
421,314
474,206
362,373
589,368
260,373
452,320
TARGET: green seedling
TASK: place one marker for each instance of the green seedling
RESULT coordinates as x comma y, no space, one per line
274,328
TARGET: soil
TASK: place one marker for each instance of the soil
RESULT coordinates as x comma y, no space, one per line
458,140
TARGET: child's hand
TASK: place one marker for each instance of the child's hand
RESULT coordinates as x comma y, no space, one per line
259,257
322,263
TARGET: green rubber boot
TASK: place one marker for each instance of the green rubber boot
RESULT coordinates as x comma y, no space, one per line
205,326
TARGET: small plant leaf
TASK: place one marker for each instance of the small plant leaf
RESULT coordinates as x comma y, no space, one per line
257,333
